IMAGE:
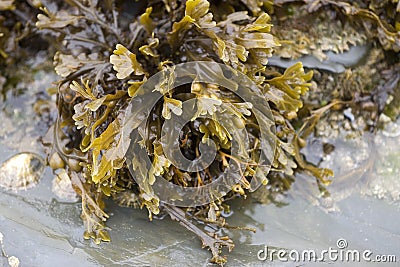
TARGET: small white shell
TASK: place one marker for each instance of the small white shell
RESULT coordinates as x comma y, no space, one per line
13,261
21,171
62,186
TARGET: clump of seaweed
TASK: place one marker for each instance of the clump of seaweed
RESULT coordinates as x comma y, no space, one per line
104,51
19,37
103,60
340,24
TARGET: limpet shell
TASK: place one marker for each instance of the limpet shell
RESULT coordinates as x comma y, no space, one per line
21,171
